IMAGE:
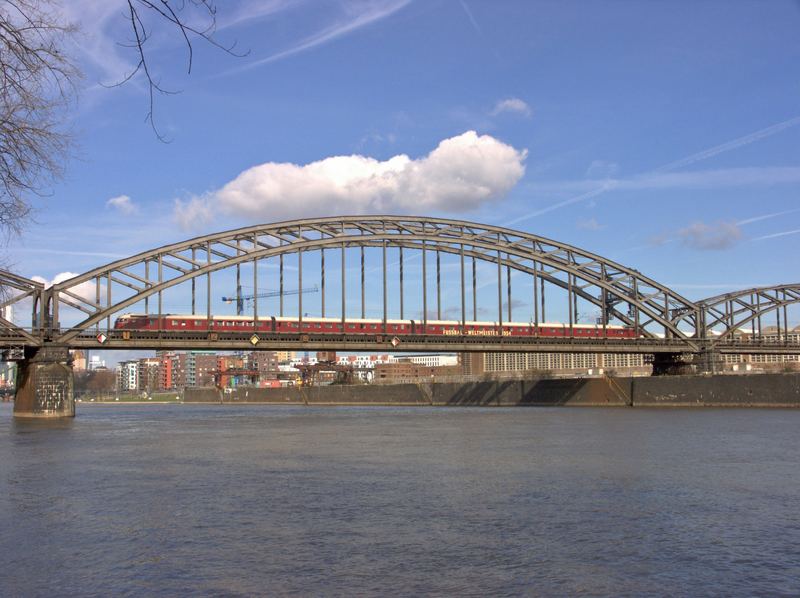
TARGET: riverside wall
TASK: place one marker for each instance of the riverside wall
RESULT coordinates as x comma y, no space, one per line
755,390
761,390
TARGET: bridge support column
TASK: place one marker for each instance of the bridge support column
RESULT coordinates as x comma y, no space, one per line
45,384
672,364
709,361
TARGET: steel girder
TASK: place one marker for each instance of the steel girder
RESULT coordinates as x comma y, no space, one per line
17,290
171,265
737,310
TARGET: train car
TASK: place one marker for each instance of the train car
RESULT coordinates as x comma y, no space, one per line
287,325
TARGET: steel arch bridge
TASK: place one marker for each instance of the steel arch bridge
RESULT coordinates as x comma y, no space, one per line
79,312
736,321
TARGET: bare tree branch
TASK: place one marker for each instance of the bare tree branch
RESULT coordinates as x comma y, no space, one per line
177,13
38,82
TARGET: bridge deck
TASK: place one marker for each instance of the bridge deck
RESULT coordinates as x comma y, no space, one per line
132,339
164,340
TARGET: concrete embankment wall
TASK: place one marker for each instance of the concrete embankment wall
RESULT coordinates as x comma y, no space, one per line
507,393
585,391
763,390
400,394
756,390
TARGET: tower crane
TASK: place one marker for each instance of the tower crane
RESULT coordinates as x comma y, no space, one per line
240,299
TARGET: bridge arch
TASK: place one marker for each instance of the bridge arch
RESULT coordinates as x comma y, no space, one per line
18,291
606,284
743,311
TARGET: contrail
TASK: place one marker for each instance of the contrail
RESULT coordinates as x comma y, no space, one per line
776,235
331,33
766,217
564,203
704,155
471,17
67,252
730,145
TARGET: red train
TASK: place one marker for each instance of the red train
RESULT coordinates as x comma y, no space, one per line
173,322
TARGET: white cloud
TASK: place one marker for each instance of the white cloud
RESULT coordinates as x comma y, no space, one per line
86,290
248,12
61,277
123,204
103,39
590,224
462,173
193,212
101,26
602,169
721,235
512,105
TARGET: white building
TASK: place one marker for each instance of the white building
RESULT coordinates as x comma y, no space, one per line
303,361
432,361
365,361
128,376
95,363
364,365
7,374
563,362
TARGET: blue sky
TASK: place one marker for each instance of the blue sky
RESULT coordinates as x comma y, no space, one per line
663,135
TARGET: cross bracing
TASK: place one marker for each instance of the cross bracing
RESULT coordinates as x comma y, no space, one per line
619,294
749,312
18,290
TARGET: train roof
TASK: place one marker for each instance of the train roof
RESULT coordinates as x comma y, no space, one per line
368,320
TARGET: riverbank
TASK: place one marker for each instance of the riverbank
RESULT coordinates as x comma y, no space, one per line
762,390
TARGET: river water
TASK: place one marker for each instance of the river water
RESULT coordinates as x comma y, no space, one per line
237,501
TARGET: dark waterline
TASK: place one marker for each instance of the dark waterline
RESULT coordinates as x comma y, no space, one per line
211,500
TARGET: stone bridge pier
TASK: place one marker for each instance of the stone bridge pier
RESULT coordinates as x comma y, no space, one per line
45,384
706,361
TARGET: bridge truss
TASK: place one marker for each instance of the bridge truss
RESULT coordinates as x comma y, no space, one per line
738,321
666,321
